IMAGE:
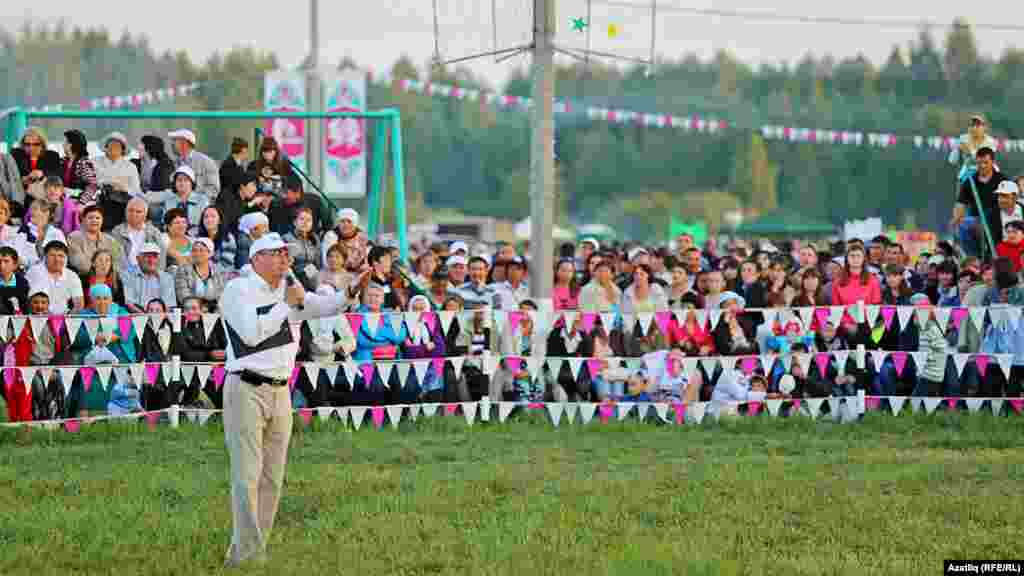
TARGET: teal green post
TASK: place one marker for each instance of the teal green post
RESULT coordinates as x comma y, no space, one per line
399,172
377,168
17,121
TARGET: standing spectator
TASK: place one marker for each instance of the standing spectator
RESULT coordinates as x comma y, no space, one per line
155,166
1012,246
565,292
986,181
233,168
35,163
347,232
225,248
855,284
84,243
201,279
114,170
476,293
601,294
514,290
79,170
970,144
932,375
588,247
457,271
204,169
53,277
135,231
144,281
426,265
101,271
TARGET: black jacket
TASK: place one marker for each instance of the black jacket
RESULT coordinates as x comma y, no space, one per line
49,163
19,292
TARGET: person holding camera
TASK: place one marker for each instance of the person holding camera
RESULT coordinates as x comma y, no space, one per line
271,168
114,172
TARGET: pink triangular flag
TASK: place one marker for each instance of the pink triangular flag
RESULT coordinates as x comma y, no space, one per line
152,418
796,403
218,376
438,367
72,425
430,319
887,313
294,377
56,324
952,402
86,372
306,414
899,361
822,359
355,321
367,371
1017,404
663,319
680,411
587,320
821,315
958,316
753,408
449,409
377,414
514,364
593,366
515,317
981,361
747,365
606,411
151,372
535,406
872,402
124,324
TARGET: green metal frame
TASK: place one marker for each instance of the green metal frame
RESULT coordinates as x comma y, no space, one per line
18,119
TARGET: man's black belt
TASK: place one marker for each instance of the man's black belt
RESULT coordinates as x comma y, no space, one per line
259,380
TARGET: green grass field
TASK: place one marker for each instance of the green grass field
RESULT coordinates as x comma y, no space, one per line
757,496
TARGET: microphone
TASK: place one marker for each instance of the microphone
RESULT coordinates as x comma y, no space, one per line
289,281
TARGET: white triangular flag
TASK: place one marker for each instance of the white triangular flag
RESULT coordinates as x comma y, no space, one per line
395,411
587,410
167,369
959,361
607,321
842,357
204,373
878,358
691,367
397,320
205,416
358,413
504,409
371,322
138,374
457,362
996,405
767,362
188,373
570,412
896,404
806,317
312,371
804,361
386,370
446,317
575,365
624,409
702,318
139,321
645,319
568,318
695,412
323,413
923,314
533,365
420,367
19,324
773,406
1013,313
661,410
92,326
499,322
209,321
872,313
37,323
429,409
814,406
1005,362
28,374
414,411
490,363
103,374
903,314
770,315
628,323
715,315
942,317
342,412
709,364
555,412
332,373
930,404
351,372
411,319
67,377
176,320
835,315
920,359
977,315
974,404
405,369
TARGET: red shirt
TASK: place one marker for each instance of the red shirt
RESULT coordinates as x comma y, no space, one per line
1012,251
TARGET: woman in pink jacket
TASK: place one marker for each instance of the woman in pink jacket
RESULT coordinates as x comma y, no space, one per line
855,284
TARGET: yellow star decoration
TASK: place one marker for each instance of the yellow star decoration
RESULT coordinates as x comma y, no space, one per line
613,30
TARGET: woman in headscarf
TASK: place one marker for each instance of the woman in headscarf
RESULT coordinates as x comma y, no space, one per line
348,234
111,345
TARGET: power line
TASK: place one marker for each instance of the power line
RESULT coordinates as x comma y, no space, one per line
902,24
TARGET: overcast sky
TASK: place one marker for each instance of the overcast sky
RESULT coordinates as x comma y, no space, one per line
379,31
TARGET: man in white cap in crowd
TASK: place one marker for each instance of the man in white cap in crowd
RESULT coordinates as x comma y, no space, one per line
251,228
145,281
205,171
1010,209
457,268
347,232
257,310
458,248
182,195
114,169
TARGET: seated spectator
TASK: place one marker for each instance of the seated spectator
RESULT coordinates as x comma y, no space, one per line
136,231
65,210
251,228
114,171
175,241
113,347
53,277
1012,246
304,248
425,265
35,163
668,380
347,232
1010,210
155,167
424,341
184,197
811,292
145,282
380,261
600,294
335,275
468,337
48,349
734,386
159,342
205,175
13,285
232,170
680,291
198,348
713,289
945,292
691,337
283,214
985,181
271,168
202,279
84,243
101,271
378,345
476,293
565,292
331,342
734,333
238,201
224,245
79,171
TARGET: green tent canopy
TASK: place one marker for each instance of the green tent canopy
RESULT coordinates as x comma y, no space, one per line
785,223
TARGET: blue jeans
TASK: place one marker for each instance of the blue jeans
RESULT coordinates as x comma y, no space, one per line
970,237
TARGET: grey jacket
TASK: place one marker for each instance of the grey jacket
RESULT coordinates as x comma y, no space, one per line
10,179
185,280
120,233
207,174
135,283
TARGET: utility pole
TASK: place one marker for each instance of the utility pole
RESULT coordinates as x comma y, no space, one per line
314,98
542,162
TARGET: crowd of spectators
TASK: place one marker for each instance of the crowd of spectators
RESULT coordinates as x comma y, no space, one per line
110,237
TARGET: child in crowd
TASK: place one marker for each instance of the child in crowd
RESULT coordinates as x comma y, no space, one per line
1012,246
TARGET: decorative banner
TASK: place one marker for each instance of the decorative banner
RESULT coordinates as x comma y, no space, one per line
286,92
345,152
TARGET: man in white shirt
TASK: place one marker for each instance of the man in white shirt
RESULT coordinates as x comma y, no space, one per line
207,175
114,169
136,231
515,289
53,277
257,312
1009,209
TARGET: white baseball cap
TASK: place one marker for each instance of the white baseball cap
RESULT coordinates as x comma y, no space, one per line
593,242
116,137
184,134
1008,187
458,245
348,214
149,248
636,252
454,260
187,171
251,220
270,241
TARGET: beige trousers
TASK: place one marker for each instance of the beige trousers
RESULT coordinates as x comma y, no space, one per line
257,428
